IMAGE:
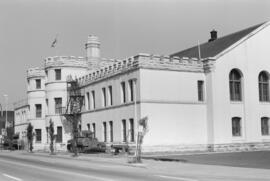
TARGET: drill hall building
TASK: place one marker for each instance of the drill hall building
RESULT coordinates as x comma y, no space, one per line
213,96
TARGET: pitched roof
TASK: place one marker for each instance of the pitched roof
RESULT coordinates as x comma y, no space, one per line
213,48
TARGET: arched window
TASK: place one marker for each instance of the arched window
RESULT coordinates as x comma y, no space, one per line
263,87
235,85
265,125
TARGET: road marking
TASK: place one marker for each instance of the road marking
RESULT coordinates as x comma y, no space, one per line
14,178
57,171
177,178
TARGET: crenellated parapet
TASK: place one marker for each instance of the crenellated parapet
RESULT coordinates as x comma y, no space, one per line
142,60
35,72
65,61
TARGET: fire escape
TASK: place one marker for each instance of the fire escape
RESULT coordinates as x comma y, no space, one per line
72,112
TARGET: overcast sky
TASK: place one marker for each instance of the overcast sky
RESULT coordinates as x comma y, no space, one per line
125,28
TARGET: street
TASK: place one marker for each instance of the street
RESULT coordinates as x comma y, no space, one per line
22,166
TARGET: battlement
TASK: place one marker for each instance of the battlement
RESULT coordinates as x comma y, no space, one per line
35,72
65,61
142,60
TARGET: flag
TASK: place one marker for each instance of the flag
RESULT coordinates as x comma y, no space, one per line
54,42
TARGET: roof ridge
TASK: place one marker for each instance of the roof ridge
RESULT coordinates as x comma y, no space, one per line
213,48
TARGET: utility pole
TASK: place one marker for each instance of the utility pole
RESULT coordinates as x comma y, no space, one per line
6,102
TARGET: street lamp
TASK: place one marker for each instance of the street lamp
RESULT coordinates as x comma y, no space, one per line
6,101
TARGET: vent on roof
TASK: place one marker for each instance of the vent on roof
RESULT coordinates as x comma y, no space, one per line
213,35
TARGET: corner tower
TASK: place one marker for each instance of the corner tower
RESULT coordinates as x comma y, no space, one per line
93,51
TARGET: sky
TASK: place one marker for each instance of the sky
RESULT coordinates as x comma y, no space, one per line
125,28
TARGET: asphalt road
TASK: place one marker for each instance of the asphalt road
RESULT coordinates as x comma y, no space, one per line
43,169
33,167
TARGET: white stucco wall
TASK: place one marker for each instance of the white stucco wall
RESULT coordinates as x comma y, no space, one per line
250,57
117,112
170,100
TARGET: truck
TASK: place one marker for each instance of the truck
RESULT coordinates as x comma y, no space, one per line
86,142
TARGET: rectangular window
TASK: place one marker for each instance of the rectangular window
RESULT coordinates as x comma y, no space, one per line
38,84
59,137
265,126
131,90
104,132
123,92
200,85
131,129
38,135
93,102
38,110
111,131
57,74
87,101
104,98
110,96
94,129
47,134
124,130
88,127
236,126
58,105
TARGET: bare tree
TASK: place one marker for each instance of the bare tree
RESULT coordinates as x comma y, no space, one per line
30,137
52,137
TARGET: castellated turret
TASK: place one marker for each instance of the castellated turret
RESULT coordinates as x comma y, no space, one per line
93,51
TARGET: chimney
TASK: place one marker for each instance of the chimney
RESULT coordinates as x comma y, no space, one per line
213,35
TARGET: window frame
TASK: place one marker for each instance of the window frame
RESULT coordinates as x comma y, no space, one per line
58,74
59,137
265,131
235,85
200,87
236,127
38,83
263,81
38,112
38,135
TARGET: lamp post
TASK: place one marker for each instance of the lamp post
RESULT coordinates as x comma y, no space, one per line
6,102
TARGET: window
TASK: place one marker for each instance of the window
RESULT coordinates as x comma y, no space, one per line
38,110
235,86
265,125
131,129
38,83
38,135
123,92
93,103
124,130
87,101
80,128
58,105
57,74
263,87
94,129
111,131
47,134
104,96
131,90
88,127
200,85
236,126
110,96
104,132
59,137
